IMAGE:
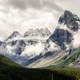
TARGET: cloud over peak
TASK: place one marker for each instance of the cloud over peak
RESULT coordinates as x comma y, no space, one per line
37,4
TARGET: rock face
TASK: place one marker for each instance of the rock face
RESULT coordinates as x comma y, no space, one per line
16,46
42,32
71,20
60,37
20,47
64,36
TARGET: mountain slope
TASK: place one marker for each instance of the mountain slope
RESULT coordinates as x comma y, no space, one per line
11,71
4,60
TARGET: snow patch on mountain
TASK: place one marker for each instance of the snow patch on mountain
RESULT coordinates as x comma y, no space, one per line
33,50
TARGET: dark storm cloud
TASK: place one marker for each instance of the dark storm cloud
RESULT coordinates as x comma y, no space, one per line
37,4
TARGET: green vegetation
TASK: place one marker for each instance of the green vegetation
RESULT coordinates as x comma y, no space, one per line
6,61
69,71
11,71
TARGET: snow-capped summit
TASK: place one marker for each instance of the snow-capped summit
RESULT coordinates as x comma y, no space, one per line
72,23
39,32
35,41
27,44
15,34
14,43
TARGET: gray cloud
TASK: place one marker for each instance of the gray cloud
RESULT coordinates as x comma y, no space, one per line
21,4
37,4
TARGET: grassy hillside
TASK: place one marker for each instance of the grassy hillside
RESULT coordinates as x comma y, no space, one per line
11,71
69,71
6,61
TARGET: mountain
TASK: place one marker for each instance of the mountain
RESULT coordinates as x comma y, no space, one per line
39,48
60,37
14,43
62,44
71,20
15,46
15,34
21,49
42,32
12,71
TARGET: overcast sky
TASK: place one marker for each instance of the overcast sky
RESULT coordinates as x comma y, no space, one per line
21,15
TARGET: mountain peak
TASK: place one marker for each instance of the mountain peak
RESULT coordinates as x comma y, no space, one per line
14,34
71,20
42,32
